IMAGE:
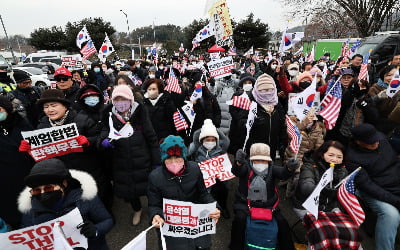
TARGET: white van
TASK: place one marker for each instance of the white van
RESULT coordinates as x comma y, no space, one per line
35,57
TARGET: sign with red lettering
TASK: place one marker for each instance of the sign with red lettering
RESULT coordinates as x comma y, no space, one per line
218,167
40,237
186,219
51,142
221,67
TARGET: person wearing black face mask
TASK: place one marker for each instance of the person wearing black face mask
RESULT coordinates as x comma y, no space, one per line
54,191
28,95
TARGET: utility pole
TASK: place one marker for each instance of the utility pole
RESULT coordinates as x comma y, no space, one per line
8,41
127,23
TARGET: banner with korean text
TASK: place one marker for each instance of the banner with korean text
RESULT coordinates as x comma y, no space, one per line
221,67
41,236
186,219
47,143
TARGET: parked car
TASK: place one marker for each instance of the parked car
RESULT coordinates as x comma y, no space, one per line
38,78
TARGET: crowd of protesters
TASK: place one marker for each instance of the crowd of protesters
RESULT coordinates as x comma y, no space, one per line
158,161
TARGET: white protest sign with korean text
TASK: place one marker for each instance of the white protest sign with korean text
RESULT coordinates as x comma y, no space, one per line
221,67
218,167
74,61
47,143
40,237
312,202
186,219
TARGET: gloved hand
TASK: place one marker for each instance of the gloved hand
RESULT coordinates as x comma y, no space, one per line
83,141
88,229
329,192
292,164
363,103
24,146
240,156
382,94
107,144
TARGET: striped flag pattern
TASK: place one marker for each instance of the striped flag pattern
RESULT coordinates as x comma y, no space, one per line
345,49
294,133
364,67
195,45
179,121
172,83
331,106
348,199
88,50
242,101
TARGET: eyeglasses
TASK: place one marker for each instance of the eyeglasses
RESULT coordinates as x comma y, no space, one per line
61,78
45,189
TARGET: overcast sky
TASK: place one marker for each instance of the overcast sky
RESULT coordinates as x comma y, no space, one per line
23,16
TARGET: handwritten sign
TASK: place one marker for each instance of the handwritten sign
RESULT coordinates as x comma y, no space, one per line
218,167
40,237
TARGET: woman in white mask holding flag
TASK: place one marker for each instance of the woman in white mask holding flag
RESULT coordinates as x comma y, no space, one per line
134,144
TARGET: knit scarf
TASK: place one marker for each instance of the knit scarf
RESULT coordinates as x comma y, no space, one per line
382,84
258,187
265,98
59,122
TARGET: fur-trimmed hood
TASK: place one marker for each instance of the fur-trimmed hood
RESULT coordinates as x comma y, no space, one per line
88,186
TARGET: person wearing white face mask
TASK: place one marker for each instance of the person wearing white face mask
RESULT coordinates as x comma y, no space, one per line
257,176
178,179
209,142
236,135
293,70
135,150
160,106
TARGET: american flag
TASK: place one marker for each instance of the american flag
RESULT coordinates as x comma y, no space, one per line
364,68
88,50
346,196
241,101
345,48
294,133
331,106
355,46
195,44
172,83
232,51
179,121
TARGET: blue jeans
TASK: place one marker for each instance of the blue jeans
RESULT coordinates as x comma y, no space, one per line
388,221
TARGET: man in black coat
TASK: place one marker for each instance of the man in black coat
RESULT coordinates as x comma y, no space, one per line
28,95
14,165
65,83
378,182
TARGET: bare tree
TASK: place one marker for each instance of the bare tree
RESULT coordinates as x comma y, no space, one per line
328,24
367,15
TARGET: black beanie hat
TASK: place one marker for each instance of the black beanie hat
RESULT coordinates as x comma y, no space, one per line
21,76
6,104
50,171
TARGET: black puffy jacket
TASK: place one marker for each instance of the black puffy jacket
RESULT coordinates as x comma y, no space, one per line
310,175
161,115
380,173
134,157
189,187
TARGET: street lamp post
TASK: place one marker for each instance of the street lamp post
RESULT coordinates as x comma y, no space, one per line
127,23
140,48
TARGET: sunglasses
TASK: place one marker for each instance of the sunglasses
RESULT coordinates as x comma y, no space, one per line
45,188
61,78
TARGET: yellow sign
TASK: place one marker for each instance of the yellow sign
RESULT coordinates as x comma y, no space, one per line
219,14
